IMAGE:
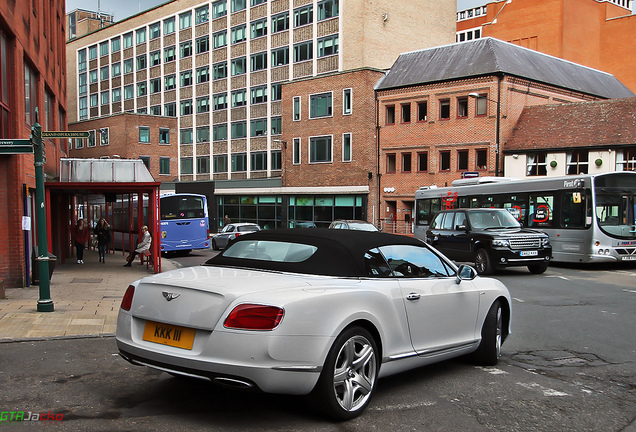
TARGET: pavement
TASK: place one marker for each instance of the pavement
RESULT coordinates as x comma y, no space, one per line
86,299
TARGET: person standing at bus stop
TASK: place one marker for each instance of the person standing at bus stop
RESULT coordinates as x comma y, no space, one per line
142,247
102,232
80,235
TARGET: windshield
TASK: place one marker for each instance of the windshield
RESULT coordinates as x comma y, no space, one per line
615,206
182,207
485,219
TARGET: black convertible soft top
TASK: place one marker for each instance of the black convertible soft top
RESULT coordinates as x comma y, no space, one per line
339,253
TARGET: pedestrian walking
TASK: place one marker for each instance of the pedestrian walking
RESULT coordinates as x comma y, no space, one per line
102,232
227,220
143,247
80,236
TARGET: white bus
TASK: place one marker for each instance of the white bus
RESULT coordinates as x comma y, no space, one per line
589,217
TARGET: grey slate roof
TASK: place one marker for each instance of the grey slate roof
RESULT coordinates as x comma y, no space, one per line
488,56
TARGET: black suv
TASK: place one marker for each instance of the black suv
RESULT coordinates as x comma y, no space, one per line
490,238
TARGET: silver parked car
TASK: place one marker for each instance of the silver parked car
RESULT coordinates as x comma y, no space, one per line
353,224
320,312
231,231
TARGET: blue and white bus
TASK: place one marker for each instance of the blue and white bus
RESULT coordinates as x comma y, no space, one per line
589,217
184,223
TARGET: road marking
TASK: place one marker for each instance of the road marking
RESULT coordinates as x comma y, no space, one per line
556,276
492,370
545,390
629,291
518,300
400,407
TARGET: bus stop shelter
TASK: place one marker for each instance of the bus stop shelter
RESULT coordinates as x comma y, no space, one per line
121,190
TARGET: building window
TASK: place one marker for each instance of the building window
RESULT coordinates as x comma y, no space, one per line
626,159
444,109
83,108
576,162
536,164
104,139
422,111
219,132
220,163
128,40
186,165
462,160
258,28
296,108
116,96
170,109
237,5
277,91
239,162
81,82
280,22
201,15
258,127
444,160
164,165
155,58
239,129
186,107
164,136
258,61
203,164
422,162
79,143
406,162
390,115
346,147
390,163
116,69
186,136
185,49
93,100
203,104
168,26
155,110
277,125
481,157
154,31
92,76
219,9
144,134
203,74
155,85
277,160
185,20
238,66
170,82
481,106
296,151
406,113
203,134
257,2
146,161
91,139
462,107
320,149
129,92
258,95
239,98
170,53
142,89
186,78
327,9
303,51
203,44
81,60
105,96
328,46
141,62
219,101
346,102
320,105
219,39
303,16
238,34
128,66
219,71
280,56
115,44
258,161
141,36
103,49
92,52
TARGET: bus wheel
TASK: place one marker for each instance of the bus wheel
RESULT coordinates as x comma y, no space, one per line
483,263
538,268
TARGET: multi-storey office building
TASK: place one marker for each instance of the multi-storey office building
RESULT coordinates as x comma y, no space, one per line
219,67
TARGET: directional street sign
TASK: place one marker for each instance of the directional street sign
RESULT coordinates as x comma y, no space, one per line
15,146
65,134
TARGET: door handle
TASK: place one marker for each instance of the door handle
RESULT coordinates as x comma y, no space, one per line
413,296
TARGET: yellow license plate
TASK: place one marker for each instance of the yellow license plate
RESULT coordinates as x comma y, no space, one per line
166,334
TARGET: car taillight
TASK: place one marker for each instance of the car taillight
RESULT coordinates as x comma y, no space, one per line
254,317
126,302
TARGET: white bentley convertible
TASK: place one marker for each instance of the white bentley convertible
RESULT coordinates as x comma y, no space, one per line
323,313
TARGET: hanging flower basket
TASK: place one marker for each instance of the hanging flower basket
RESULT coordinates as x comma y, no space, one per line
553,164
598,162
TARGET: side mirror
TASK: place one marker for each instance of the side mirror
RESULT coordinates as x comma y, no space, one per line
461,228
465,272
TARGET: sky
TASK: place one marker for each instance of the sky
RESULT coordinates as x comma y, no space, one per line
124,8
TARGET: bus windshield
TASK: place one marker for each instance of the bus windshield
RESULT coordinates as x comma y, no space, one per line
182,207
616,214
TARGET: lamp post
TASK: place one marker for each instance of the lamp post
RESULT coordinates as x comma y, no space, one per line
498,102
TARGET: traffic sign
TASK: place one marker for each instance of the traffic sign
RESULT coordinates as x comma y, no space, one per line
65,134
16,146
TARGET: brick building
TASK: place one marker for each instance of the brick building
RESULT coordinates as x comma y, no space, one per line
556,140
32,75
80,22
448,112
153,139
219,68
592,33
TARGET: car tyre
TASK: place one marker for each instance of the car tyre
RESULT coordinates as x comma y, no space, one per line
483,263
538,268
349,376
489,349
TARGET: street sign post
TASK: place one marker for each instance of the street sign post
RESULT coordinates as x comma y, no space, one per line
16,146
65,134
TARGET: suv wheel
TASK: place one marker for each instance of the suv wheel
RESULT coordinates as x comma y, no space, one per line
483,263
538,268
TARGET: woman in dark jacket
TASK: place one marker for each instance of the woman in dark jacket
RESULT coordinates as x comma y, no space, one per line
102,232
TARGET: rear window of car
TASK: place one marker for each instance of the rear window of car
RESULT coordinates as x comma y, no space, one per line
270,251
243,228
